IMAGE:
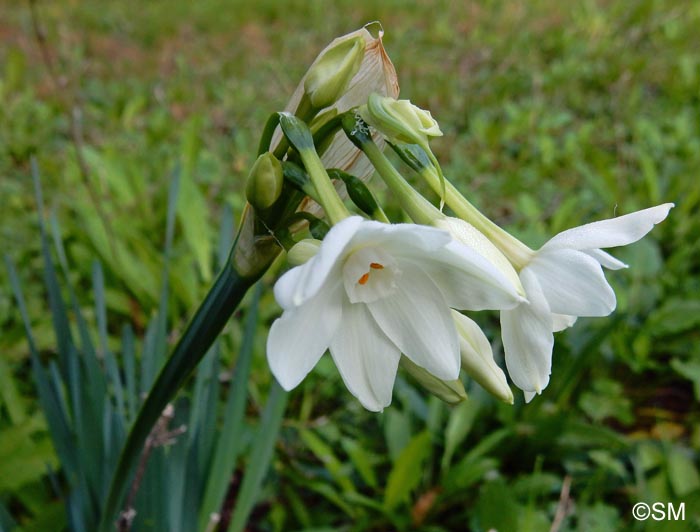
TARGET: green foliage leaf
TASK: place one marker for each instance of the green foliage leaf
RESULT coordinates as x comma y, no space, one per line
325,454
263,446
674,316
361,459
682,472
405,475
25,452
691,371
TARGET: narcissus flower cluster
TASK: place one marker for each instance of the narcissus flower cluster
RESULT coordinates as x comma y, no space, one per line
384,297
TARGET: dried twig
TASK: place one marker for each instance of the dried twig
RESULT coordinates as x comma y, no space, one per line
160,435
564,505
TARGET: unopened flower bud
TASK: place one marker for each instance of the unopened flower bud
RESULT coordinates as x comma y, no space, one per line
452,392
265,181
468,235
329,76
477,359
302,251
400,120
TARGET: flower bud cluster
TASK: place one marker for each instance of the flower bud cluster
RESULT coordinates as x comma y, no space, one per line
379,295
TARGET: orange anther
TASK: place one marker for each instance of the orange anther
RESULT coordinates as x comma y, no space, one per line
363,280
376,266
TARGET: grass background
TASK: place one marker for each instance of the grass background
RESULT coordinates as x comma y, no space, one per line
555,114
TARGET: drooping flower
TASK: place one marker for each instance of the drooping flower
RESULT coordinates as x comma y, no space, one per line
372,292
564,280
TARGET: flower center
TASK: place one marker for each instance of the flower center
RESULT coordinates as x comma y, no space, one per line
369,274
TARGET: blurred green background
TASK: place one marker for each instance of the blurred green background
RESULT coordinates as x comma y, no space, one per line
555,114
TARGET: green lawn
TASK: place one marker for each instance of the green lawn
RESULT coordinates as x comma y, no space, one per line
554,113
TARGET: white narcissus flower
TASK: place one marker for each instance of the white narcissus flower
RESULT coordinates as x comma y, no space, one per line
564,280
374,291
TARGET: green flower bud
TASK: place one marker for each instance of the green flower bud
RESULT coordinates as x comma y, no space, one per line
452,392
399,120
265,181
330,75
302,251
477,359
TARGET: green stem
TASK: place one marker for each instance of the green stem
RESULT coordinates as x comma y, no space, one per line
305,112
517,252
299,135
327,195
418,208
211,316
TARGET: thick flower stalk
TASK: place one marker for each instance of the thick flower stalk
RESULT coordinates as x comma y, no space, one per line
255,248
372,292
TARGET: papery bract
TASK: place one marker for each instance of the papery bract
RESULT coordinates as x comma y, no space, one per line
376,74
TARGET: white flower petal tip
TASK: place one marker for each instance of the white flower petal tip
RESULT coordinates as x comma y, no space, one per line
529,396
528,339
561,322
477,359
369,293
612,232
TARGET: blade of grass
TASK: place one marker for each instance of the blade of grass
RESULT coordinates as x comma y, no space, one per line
210,318
58,310
108,357
129,360
49,399
263,446
229,444
88,348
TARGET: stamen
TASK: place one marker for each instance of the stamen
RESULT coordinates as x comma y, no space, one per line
376,266
363,280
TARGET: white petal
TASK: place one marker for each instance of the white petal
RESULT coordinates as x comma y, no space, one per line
606,259
465,233
562,321
417,319
573,283
365,357
402,239
314,273
468,281
301,335
610,233
529,396
527,338
477,358
286,286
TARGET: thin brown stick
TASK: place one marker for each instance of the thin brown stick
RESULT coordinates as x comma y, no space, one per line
563,506
160,435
